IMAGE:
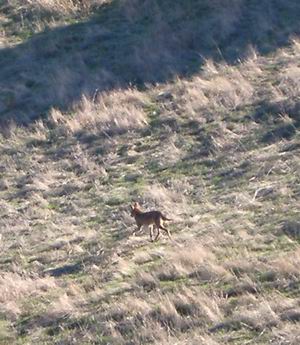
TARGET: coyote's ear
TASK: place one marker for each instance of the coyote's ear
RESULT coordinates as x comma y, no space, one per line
131,207
136,204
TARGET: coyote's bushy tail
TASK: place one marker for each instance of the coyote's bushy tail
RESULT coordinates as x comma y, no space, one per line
165,218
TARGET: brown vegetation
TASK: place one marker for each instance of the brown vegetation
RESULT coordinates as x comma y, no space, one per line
218,150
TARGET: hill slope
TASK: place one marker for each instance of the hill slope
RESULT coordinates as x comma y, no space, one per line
217,151
67,48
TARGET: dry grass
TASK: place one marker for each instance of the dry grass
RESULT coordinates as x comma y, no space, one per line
61,6
108,114
156,195
217,152
42,13
220,89
14,288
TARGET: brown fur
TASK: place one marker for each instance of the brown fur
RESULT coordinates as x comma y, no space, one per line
151,219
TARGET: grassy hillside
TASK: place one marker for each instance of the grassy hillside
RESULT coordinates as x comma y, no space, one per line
213,141
56,50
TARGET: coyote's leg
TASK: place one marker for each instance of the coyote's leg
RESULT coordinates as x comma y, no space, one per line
158,232
151,232
166,230
137,230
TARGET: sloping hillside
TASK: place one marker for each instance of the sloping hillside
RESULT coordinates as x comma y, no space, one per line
216,147
56,50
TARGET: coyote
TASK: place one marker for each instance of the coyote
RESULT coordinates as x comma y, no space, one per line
151,218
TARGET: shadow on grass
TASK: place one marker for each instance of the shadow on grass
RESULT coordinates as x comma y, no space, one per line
135,43
292,229
64,270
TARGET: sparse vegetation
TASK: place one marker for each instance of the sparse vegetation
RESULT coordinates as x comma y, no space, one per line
94,122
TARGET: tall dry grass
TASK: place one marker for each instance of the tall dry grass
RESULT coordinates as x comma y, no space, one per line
219,89
42,10
108,113
14,288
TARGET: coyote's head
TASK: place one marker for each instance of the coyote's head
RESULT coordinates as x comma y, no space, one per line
134,208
